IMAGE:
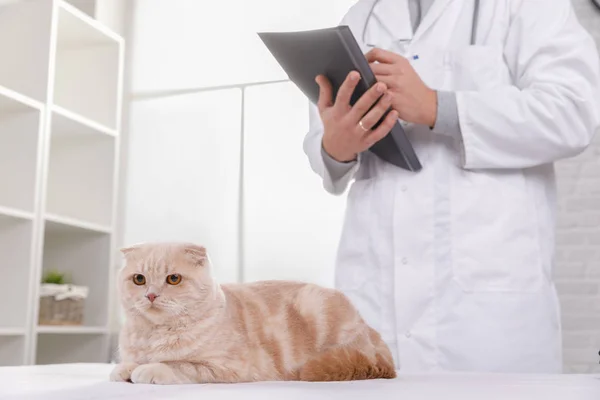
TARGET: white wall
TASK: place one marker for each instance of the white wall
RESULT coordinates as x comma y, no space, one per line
184,172
578,242
291,224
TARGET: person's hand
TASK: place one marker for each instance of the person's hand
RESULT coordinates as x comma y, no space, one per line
414,101
348,129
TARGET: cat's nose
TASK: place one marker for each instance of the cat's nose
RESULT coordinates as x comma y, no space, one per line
151,297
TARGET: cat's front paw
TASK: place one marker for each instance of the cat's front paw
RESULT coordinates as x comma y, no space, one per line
122,372
157,374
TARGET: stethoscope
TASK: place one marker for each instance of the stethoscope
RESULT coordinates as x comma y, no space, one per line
371,14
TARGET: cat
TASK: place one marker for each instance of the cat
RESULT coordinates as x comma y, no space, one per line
183,327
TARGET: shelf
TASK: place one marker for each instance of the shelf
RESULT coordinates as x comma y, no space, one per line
87,6
13,102
68,123
85,256
79,29
62,225
87,78
72,330
25,47
6,212
61,75
61,349
12,350
12,331
20,125
16,237
81,169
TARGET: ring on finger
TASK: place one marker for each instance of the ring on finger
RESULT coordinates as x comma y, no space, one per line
360,123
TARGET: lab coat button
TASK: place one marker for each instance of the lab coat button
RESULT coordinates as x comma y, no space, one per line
404,261
408,335
404,188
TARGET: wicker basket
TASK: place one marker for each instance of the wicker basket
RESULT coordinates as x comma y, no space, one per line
62,304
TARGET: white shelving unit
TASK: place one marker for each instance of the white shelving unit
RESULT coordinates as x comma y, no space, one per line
60,108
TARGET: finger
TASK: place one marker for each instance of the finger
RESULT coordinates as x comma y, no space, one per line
383,69
391,81
366,101
325,93
383,56
347,89
382,130
377,112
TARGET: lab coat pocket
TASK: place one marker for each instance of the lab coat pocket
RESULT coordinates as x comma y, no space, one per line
474,67
353,254
494,233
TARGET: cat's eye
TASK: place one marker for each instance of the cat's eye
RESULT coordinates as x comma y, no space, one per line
139,279
174,279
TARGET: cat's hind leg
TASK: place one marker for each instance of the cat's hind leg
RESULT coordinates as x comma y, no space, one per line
346,363
344,346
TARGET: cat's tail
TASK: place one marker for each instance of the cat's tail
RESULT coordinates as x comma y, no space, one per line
347,364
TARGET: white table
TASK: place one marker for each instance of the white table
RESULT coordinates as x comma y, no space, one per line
90,382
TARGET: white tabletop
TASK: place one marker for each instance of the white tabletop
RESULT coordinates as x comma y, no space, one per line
90,382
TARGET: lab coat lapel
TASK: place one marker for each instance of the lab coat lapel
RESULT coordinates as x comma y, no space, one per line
390,22
434,13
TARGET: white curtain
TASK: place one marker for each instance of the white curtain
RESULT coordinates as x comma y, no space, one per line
259,209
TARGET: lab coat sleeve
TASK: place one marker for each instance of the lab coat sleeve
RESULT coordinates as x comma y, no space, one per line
552,110
335,180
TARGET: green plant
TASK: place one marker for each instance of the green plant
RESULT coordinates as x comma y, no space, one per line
56,277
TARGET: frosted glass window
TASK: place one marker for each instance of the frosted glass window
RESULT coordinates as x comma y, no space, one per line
292,225
183,174
180,44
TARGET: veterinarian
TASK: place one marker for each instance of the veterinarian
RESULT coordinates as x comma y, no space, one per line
453,264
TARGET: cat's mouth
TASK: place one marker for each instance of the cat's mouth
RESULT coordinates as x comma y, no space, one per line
162,309
153,306
148,306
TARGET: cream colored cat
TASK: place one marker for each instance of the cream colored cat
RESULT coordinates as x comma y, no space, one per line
182,327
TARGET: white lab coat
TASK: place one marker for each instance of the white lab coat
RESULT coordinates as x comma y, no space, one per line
453,264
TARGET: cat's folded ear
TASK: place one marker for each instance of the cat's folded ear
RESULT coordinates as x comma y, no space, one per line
196,253
126,251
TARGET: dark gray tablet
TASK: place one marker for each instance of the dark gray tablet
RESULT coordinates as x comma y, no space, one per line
334,53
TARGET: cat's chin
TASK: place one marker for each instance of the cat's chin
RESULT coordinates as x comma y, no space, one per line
154,313
158,310
149,309
153,308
